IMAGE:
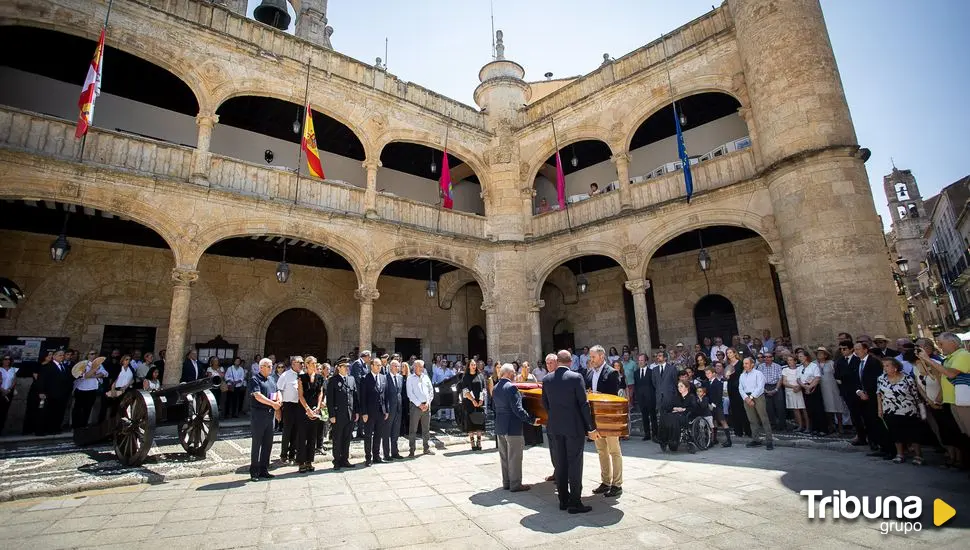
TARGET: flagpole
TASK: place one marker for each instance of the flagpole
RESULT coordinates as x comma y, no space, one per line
673,103
84,138
441,194
555,138
306,113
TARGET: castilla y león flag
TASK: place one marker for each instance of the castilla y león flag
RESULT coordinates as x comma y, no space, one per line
447,198
310,146
91,90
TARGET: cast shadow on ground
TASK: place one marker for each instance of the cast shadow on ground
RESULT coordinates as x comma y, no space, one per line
548,518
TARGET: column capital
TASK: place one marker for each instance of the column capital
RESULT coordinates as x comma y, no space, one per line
621,157
184,277
776,260
536,305
637,286
366,294
371,164
488,305
207,119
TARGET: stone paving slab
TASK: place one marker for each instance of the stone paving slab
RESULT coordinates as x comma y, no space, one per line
719,498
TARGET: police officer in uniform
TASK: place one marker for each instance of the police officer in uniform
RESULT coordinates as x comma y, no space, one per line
343,405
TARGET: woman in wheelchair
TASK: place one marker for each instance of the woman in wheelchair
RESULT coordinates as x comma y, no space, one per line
676,424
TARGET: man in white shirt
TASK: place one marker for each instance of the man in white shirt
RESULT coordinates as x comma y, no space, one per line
420,394
236,381
8,377
86,389
584,359
751,385
718,347
287,384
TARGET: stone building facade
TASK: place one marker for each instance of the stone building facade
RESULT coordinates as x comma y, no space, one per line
800,188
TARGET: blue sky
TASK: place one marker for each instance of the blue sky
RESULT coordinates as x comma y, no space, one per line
904,63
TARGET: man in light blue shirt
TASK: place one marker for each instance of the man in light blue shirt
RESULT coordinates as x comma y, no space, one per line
751,385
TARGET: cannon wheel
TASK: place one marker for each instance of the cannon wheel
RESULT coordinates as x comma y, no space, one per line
135,427
200,426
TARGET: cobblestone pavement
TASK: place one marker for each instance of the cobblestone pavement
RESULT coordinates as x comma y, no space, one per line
719,498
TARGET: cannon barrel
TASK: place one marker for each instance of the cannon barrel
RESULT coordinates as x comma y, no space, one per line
196,386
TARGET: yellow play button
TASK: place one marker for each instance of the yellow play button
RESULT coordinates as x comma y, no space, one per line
942,512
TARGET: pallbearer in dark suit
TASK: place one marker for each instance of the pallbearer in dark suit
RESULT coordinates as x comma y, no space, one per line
602,378
570,421
373,405
645,395
55,389
395,387
343,405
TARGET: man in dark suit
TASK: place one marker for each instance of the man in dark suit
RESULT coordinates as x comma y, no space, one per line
359,369
664,381
603,378
192,370
55,382
869,368
847,376
570,421
343,406
509,418
395,387
645,395
373,405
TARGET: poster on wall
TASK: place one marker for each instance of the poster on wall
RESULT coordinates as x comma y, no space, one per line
29,348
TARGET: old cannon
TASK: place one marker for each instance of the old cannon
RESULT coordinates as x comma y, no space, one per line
190,406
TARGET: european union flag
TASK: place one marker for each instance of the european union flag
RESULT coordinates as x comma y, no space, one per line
684,159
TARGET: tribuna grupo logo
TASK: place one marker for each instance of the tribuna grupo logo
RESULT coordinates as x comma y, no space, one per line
899,514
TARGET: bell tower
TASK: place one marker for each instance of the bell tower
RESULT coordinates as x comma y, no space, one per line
909,220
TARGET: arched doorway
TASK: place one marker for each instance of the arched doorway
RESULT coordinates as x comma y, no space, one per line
714,316
477,342
296,331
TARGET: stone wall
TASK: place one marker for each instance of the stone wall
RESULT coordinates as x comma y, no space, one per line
104,283
739,271
597,317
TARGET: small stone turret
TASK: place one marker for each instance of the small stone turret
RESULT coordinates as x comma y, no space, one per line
502,91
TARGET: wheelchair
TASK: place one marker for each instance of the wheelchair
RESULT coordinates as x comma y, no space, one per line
696,435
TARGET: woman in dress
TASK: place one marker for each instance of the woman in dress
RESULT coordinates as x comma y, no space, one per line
831,397
472,390
618,367
738,417
33,416
794,399
309,387
524,375
613,355
215,369
322,426
701,362
899,403
152,381
126,377
810,378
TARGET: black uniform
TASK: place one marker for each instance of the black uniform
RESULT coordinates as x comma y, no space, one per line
342,404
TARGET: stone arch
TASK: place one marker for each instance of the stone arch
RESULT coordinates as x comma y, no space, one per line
717,83
455,148
564,280
261,88
762,225
571,252
300,302
174,61
450,283
376,267
249,227
168,228
565,137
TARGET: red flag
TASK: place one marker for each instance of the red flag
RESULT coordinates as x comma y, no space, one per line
560,183
91,90
447,199
309,144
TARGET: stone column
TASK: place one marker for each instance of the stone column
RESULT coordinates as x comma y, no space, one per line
534,322
370,194
366,296
200,160
178,323
784,281
491,328
638,288
622,161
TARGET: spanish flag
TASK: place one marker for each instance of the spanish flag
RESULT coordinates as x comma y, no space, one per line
310,146
91,90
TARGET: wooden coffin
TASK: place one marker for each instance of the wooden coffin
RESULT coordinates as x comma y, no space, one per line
610,413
